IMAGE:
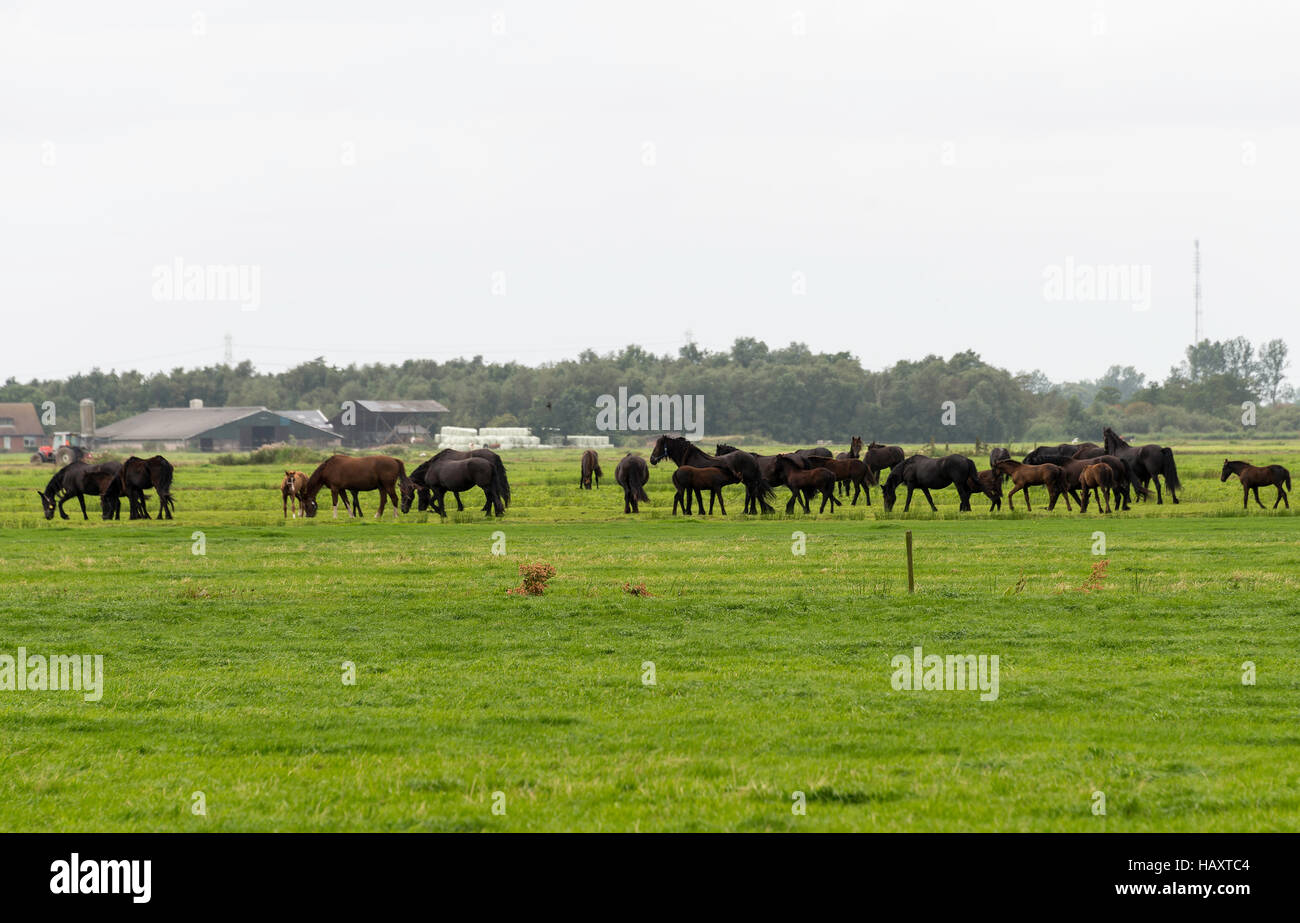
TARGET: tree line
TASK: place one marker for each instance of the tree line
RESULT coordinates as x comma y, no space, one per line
788,394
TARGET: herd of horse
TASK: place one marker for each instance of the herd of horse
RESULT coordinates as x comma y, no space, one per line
1111,475
109,481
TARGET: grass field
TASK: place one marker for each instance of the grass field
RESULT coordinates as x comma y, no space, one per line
224,671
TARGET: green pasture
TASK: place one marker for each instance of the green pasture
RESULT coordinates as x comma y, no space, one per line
1121,668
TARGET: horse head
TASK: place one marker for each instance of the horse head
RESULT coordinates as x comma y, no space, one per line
1223,476
668,447
47,504
855,447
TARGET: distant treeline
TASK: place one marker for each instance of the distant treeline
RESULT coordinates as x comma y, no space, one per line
787,395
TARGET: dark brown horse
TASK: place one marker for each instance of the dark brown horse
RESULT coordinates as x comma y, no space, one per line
989,483
744,464
590,469
457,475
631,474
1025,476
852,471
140,474
1252,479
804,480
76,481
342,473
1122,481
688,479
1150,462
1097,479
880,457
855,451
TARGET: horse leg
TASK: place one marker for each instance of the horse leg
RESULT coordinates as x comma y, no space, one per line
907,504
1281,498
1159,496
1011,498
929,499
1245,497
789,507
1107,498
81,498
1255,490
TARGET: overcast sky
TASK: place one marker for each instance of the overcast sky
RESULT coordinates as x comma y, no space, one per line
523,181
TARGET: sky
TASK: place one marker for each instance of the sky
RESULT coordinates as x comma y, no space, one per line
524,181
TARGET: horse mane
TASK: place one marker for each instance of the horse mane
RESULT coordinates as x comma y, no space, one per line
1109,434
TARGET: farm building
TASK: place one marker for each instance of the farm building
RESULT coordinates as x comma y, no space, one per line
20,428
213,429
364,423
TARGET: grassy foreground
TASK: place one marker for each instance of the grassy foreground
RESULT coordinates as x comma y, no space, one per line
224,671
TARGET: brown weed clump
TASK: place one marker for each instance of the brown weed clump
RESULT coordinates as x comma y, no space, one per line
638,589
535,577
1097,578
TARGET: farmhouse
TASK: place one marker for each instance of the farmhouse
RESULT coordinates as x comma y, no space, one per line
212,429
20,428
364,423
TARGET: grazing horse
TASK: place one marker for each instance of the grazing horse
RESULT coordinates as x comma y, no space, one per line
990,484
140,474
501,485
688,479
1124,476
848,471
1150,462
342,473
1252,479
291,490
76,481
925,474
744,464
996,454
855,451
631,474
1099,480
590,468
457,475
1025,476
805,478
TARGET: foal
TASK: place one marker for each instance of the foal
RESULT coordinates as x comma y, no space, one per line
804,482
291,488
590,468
687,479
1025,476
1252,479
1098,479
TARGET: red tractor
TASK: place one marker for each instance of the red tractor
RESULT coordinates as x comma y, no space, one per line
64,449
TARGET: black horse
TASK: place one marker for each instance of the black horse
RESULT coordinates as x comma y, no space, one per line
925,474
140,474
631,474
880,457
79,479
501,485
1150,462
448,474
757,491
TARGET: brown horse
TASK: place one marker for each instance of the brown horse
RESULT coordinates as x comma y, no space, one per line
342,473
1026,476
590,468
852,471
1097,479
291,488
1252,479
631,474
688,479
805,482
989,483
855,451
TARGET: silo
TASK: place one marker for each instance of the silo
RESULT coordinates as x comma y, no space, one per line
87,418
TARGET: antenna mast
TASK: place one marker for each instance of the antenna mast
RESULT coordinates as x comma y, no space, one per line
1196,289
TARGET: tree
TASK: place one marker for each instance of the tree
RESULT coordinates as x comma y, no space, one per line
1271,369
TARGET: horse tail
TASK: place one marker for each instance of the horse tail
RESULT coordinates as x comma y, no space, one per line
402,479
1286,473
1169,469
164,478
500,484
